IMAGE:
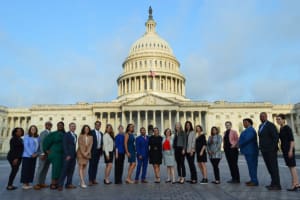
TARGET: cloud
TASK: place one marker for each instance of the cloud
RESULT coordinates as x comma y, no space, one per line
245,46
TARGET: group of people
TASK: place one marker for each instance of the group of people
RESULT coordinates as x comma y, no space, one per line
63,149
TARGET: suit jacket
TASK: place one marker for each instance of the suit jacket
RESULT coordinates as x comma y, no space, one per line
69,145
191,139
142,146
248,141
95,142
268,137
233,138
42,137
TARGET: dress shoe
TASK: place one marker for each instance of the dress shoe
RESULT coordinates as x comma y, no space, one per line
136,181
37,187
26,187
11,187
251,184
233,181
216,182
95,183
144,181
44,185
70,186
60,188
274,187
168,181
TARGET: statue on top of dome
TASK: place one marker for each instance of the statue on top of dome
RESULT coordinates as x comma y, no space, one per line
150,13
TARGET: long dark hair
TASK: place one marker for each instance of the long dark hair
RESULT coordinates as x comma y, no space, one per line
82,130
30,131
128,127
191,126
211,130
14,131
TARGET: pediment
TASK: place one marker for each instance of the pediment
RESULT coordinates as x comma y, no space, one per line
150,100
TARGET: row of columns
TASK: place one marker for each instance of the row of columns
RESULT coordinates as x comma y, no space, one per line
158,118
157,83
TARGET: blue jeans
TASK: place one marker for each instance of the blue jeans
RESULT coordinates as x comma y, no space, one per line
252,160
141,162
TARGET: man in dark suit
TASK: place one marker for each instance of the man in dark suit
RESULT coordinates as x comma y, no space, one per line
96,152
268,144
69,158
142,151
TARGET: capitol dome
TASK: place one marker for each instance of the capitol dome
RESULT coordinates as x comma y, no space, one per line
151,42
151,67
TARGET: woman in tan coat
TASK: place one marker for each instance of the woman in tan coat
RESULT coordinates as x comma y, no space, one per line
85,143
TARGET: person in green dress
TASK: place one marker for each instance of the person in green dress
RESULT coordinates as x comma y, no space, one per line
53,147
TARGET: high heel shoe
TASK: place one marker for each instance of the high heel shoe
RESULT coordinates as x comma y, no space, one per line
294,189
181,181
129,181
106,183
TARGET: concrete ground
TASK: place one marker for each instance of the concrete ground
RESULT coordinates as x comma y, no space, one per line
164,191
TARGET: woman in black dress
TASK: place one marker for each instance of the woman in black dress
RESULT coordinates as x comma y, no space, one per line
288,150
14,155
201,153
155,153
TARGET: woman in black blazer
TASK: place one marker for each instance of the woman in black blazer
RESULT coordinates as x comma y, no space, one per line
14,155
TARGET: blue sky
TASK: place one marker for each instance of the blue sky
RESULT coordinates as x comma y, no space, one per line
63,52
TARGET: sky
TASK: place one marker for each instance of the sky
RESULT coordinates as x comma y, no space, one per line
64,52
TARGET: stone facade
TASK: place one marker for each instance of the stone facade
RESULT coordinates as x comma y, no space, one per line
151,90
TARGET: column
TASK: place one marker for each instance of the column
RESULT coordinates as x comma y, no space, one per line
184,116
141,84
147,80
292,122
146,119
125,81
135,85
154,118
101,116
130,116
177,116
123,119
129,85
108,118
160,89
170,120
192,116
116,118
138,120
200,118
297,124
162,119
172,85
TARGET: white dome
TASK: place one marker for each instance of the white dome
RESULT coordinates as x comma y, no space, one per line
150,43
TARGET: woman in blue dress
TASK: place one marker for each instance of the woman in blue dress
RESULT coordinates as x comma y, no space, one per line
129,144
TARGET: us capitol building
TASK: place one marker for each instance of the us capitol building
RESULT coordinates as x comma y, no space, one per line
151,90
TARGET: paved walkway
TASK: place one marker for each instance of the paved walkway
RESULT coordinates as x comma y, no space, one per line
162,191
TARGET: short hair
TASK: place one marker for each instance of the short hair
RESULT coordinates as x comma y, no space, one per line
82,130
142,128
14,131
61,122
72,123
191,125
156,129
96,122
48,123
168,129
228,122
248,120
282,116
